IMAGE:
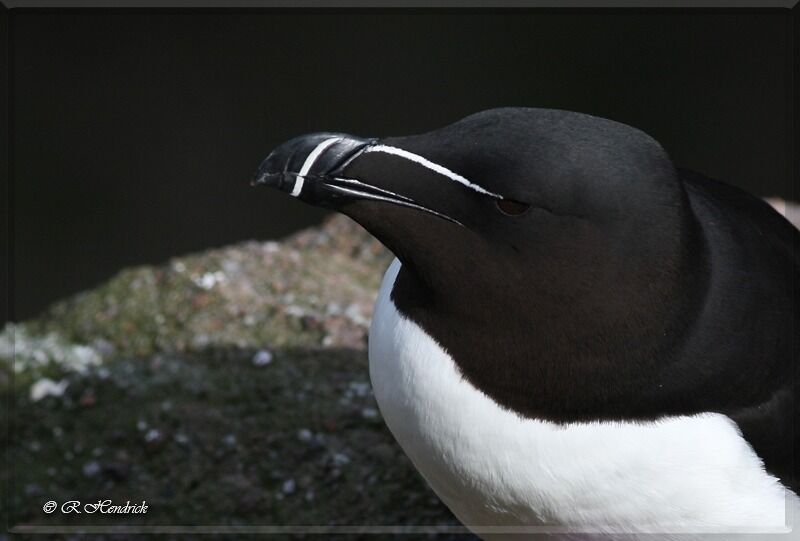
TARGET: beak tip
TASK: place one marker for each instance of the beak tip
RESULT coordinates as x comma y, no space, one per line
309,156
267,173
263,178
257,180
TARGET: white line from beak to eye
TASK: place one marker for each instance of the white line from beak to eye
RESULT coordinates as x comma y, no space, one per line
310,159
432,166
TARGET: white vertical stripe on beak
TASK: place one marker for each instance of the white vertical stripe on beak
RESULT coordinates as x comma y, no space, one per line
442,170
310,159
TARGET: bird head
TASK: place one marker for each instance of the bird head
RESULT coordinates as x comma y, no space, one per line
523,204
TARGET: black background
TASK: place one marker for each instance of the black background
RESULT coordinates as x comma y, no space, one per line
135,133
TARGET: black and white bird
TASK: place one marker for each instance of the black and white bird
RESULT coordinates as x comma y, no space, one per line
575,335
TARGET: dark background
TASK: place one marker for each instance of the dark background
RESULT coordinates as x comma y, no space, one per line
135,133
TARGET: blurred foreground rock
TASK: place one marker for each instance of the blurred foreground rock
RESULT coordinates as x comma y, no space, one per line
224,388
314,289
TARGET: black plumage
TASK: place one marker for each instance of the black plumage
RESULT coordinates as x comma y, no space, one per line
587,278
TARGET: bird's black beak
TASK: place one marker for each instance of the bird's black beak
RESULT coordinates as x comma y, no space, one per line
307,166
312,168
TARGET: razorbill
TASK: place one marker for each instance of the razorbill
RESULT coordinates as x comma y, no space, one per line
575,335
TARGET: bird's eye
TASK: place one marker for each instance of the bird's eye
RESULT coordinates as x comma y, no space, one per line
509,207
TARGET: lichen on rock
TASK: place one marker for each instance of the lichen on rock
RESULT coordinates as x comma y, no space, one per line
226,387
314,289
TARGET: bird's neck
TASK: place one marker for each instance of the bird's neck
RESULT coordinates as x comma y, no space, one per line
572,339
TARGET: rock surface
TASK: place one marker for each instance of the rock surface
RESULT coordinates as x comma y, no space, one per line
314,289
228,388
224,388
